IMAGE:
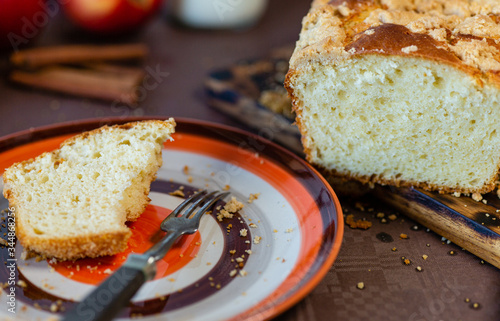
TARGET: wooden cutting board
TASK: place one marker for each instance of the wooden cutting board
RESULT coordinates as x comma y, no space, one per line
475,226
243,90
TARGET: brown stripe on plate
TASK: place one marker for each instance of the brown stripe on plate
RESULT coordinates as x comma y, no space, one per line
218,277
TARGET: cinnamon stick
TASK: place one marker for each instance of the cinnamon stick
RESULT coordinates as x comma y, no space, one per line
117,70
82,82
74,54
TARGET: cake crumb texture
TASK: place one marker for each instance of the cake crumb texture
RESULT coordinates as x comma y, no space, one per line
401,92
73,202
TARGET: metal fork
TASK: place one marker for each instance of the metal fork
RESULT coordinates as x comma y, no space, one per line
107,300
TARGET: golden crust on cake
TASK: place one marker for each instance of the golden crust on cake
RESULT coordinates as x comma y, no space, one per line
451,52
466,32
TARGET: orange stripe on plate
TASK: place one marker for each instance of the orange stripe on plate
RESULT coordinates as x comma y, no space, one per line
145,234
283,181
296,194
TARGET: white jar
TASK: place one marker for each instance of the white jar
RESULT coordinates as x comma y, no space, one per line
218,14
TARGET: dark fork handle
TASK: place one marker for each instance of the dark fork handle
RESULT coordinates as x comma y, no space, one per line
108,299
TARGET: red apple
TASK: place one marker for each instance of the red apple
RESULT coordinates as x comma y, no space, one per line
21,21
110,16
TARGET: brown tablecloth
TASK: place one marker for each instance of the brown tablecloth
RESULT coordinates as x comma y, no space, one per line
448,287
450,283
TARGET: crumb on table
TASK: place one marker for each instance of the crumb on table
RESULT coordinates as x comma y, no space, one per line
349,220
477,197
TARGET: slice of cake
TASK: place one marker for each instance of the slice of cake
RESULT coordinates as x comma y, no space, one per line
401,92
73,202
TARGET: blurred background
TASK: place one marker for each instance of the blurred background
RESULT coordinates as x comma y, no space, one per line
185,41
182,58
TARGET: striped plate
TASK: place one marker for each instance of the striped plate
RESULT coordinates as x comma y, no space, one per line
292,217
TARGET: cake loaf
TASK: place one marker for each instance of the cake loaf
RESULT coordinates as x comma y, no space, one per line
401,92
73,202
